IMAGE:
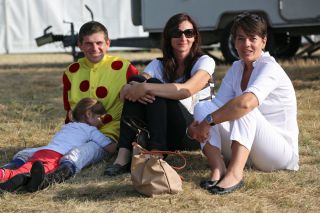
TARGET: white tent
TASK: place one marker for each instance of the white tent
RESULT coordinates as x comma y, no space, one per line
21,21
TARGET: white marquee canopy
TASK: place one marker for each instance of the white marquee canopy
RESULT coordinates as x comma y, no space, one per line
21,21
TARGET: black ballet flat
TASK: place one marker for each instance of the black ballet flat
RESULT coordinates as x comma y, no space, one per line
117,169
207,184
219,190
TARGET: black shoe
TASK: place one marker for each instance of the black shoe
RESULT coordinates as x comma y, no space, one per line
206,184
63,173
37,177
117,169
219,190
14,183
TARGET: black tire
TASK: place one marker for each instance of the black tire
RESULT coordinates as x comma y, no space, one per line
283,45
227,47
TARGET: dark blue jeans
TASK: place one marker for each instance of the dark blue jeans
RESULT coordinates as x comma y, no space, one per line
165,119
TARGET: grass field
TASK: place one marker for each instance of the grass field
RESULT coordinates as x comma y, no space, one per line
31,111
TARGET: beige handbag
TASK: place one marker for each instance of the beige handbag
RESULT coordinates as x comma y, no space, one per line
151,175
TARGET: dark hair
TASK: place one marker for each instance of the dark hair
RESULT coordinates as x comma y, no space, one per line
169,61
251,24
92,27
84,105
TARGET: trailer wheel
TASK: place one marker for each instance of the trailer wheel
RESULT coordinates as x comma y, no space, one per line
283,45
227,47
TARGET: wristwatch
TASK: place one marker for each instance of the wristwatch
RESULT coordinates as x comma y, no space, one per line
209,120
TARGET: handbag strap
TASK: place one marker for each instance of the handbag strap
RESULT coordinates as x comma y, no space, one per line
167,152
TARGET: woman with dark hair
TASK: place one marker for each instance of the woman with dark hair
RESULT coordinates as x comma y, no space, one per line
253,118
164,96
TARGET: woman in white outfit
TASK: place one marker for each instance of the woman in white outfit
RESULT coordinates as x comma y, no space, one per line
253,118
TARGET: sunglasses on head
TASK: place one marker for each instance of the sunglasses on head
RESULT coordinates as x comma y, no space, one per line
189,33
247,15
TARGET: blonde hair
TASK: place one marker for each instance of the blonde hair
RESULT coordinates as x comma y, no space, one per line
87,104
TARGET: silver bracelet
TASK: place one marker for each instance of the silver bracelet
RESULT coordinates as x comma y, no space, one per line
188,134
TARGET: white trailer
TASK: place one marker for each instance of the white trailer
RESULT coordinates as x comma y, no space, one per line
288,21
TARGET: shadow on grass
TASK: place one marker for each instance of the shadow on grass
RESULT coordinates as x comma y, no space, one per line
58,65
34,65
97,192
91,185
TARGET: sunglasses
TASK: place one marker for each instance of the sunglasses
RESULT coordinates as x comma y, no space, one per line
189,33
248,15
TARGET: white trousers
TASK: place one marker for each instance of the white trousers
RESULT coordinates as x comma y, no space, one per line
269,150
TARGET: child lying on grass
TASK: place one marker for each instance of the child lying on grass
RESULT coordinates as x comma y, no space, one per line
38,171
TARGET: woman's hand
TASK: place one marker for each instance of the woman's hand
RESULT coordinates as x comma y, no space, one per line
147,99
136,91
199,131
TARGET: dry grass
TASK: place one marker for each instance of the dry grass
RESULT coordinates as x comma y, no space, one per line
31,112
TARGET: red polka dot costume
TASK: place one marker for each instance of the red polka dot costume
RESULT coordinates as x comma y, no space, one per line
102,81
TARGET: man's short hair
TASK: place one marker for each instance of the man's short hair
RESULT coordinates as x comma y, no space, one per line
92,27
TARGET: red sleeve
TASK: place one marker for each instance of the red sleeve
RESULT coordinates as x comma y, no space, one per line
131,71
66,88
